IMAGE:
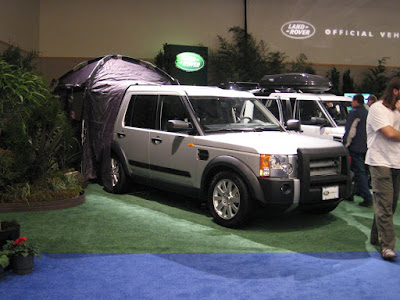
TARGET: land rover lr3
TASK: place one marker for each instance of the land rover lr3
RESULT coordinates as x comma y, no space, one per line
305,97
224,147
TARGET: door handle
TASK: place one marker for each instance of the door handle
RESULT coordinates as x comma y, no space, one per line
120,135
156,140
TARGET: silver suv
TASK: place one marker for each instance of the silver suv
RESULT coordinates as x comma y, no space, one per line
226,148
321,115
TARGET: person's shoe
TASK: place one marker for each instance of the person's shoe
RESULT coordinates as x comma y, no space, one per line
350,198
366,203
388,253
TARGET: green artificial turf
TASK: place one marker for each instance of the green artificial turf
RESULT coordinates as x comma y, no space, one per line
151,221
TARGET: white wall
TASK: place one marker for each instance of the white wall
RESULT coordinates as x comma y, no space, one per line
19,23
139,28
136,28
371,17
69,31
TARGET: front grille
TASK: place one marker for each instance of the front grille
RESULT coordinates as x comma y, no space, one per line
338,139
325,167
322,167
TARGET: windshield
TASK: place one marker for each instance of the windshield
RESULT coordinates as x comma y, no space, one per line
338,110
217,114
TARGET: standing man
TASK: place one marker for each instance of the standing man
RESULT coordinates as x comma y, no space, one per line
355,139
383,158
371,100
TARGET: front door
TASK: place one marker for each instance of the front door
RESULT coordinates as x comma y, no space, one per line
314,122
172,155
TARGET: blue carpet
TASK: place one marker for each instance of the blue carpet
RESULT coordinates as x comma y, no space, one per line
355,275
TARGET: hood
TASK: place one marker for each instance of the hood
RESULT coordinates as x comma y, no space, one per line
285,143
335,132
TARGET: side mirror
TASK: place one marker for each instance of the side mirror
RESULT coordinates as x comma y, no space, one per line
179,126
319,121
293,124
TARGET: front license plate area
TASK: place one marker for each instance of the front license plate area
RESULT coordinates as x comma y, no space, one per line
330,192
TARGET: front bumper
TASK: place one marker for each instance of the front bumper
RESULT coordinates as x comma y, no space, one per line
291,191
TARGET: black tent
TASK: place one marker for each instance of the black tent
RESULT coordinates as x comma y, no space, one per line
92,93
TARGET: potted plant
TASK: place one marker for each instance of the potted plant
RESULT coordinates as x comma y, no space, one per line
21,253
4,261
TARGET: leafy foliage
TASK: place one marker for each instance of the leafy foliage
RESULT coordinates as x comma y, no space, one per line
35,136
21,246
301,65
164,61
348,82
376,79
243,59
8,172
4,261
13,56
334,76
50,187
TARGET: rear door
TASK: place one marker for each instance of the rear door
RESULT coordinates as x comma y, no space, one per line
134,135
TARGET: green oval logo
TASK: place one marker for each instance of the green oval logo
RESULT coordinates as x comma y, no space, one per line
189,61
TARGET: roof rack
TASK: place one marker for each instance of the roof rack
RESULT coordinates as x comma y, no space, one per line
295,82
240,85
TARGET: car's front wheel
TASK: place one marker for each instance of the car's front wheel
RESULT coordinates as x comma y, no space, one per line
118,177
228,200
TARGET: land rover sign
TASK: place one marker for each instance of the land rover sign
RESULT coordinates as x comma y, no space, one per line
189,61
298,30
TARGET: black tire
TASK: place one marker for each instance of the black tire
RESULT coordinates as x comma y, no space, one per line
118,176
229,200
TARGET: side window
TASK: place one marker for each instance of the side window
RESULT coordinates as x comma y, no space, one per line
216,111
308,109
272,105
141,111
171,108
333,109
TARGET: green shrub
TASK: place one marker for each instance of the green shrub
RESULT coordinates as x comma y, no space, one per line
8,172
243,59
34,130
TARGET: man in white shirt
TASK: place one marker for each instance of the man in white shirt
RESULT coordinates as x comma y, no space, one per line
383,158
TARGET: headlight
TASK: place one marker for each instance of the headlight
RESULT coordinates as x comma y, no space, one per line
275,166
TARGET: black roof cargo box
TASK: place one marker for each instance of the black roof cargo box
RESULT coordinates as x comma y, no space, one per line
296,81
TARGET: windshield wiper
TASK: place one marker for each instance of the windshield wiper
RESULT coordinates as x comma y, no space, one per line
265,128
229,129
241,129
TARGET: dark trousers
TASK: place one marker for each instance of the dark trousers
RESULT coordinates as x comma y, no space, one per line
386,188
360,175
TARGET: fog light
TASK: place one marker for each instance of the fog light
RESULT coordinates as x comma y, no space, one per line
286,189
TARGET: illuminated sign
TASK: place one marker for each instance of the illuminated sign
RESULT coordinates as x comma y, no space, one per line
305,30
298,30
362,33
189,61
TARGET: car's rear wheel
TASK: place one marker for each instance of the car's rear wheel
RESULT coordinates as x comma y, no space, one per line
228,200
118,177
